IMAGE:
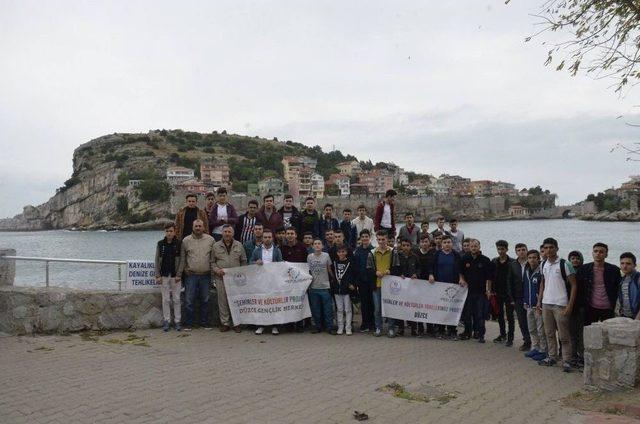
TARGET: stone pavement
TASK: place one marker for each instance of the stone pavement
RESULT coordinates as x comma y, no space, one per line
213,377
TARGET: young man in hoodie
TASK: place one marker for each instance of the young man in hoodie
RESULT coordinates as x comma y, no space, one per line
346,275
268,215
365,264
383,255
222,213
167,262
629,298
291,216
255,241
532,280
309,217
267,253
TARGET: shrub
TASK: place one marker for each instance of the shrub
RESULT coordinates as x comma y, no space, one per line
122,205
123,179
154,190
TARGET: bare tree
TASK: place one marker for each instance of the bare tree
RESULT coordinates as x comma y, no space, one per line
603,38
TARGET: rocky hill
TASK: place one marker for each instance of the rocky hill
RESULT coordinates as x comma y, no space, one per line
97,194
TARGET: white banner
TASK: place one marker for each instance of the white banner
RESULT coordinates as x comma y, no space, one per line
269,294
418,300
141,275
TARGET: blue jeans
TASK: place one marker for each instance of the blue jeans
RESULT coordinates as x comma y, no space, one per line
321,307
377,308
197,286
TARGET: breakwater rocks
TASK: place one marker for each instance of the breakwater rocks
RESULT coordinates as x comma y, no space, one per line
624,215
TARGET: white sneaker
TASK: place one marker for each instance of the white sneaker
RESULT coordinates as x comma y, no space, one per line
259,330
274,331
340,331
349,332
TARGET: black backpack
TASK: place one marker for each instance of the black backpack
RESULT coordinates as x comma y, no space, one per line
563,272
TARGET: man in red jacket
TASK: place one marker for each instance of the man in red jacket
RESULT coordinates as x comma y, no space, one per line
268,215
385,215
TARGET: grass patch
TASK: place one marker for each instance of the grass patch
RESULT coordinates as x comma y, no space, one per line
401,392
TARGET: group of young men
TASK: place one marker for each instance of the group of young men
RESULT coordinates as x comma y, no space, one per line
552,298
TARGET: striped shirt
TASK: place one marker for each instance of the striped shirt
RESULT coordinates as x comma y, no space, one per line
247,229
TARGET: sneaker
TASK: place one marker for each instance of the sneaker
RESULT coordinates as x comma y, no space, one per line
547,362
532,353
475,335
401,332
237,329
333,332
223,328
316,330
464,336
364,330
526,347
509,343
274,331
453,337
391,334
377,333
499,339
349,332
178,327
165,326
206,327
414,333
540,356
566,367
480,339
259,330
340,331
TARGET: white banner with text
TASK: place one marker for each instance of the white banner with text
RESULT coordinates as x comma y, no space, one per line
269,294
421,301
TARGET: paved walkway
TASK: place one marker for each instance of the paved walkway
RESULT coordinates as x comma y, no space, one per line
215,377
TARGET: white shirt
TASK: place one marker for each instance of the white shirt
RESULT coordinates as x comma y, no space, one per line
362,224
267,254
555,291
222,214
386,216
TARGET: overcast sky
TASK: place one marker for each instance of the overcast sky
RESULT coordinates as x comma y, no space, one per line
433,86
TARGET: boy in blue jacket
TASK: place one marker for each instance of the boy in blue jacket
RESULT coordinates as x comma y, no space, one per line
629,297
266,253
531,284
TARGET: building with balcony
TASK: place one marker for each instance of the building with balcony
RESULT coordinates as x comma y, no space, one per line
215,173
175,174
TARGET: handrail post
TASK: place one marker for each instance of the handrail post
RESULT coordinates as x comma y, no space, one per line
119,277
46,273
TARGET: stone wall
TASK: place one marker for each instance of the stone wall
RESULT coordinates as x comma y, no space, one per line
612,354
27,310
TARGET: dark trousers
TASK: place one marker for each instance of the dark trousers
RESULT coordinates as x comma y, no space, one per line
505,306
467,315
521,313
416,327
366,305
477,306
576,328
197,288
596,315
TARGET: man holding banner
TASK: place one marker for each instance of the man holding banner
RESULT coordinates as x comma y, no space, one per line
265,254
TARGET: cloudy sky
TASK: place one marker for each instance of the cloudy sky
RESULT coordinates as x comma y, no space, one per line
432,86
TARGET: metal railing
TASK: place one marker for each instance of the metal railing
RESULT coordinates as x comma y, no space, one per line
47,261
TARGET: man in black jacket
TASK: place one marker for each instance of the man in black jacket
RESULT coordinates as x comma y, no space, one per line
600,281
500,287
476,274
243,231
515,291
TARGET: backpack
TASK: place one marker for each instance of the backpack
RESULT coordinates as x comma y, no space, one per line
563,272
